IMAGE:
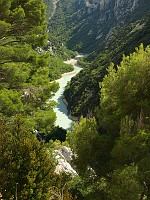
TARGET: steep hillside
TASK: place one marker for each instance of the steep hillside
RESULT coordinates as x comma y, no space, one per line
105,29
90,24
49,8
83,92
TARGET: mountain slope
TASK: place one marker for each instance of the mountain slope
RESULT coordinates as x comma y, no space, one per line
88,25
83,92
105,29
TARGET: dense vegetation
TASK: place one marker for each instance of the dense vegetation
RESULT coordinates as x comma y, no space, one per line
26,165
57,48
57,67
49,8
24,84
117,161
61,24
110,149
105,34
86,27
84,87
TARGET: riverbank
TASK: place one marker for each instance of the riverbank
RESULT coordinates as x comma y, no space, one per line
72,62
66,73
70,116
65,120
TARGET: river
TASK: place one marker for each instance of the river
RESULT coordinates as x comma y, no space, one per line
61,108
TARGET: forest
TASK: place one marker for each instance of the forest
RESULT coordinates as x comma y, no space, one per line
86,89
110,141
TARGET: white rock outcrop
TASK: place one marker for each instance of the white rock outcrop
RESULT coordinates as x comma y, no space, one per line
64,157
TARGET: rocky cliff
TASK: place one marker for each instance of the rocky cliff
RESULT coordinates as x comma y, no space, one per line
88,25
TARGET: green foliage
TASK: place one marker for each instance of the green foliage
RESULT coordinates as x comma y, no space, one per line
59,49
113,165
88,29
86,188
45,120
80,92
25,74
84,139
18,14
58,22
26,166
10,102
79,138
4,27
26,19
57,67
125,184
131,147
144,171
123,94
116,165
123,40
4,9
15,75
49,8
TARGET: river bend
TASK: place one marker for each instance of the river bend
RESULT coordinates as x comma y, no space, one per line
61,108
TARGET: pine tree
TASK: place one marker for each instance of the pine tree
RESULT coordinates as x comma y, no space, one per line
24,84
26,166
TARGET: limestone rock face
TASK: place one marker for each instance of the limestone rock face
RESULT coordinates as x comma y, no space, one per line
117,7
64,157
92,23
102,4
123,8
100,18
92,4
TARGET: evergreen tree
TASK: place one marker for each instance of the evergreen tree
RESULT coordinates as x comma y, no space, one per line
119,156
124,184
126,91
84,139
24,84
26,166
